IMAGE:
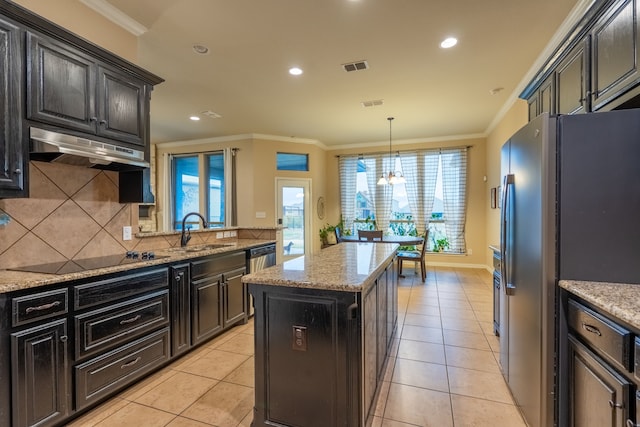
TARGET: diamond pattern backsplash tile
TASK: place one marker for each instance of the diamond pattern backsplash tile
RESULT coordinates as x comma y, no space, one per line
72,213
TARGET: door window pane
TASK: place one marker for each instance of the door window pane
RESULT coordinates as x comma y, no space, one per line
293,220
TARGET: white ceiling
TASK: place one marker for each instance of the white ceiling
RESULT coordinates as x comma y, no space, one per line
431,92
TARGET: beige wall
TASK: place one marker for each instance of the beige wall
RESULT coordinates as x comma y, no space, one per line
477,197
256,177
83,21
514,119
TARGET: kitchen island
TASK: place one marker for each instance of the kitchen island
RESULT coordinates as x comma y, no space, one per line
324,325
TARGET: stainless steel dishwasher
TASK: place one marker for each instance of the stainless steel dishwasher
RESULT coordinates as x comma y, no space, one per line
257,259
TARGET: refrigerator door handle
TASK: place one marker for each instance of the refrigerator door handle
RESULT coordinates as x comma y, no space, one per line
505,269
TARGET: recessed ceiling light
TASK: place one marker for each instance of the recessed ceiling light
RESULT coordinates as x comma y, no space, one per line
194,118
449,42
295,71
200,49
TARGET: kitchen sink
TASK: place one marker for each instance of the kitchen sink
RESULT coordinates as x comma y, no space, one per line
198,248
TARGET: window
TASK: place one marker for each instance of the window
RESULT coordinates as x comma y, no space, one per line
433,197
292,162
198,185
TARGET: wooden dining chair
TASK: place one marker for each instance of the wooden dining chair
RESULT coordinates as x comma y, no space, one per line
415,256
370,235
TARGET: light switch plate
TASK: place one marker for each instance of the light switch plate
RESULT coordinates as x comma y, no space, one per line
126,232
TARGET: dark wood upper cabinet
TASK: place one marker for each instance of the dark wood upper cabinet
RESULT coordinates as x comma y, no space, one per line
572,80
123,106
595,66
70,89
614,55
13,161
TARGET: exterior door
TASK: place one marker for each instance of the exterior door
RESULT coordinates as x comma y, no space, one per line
294,214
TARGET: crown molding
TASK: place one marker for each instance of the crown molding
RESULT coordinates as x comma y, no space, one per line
116,16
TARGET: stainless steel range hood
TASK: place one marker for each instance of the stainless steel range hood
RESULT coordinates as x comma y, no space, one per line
49,146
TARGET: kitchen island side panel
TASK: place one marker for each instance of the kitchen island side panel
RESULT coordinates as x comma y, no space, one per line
309,383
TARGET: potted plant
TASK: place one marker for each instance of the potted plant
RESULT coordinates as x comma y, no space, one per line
328,235
441,245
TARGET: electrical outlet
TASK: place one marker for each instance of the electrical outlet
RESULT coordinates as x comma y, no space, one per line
233,233
469,251
219,235
299,338
126,232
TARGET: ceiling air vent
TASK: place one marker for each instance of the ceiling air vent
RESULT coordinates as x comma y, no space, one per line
211,114
374,103
355,66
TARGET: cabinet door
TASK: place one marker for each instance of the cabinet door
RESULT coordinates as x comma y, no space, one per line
370,348
571,81
533,105
60,85
235,297
615,44
206,308
548,95
382,322
122,107
599,396
40,380
12,150
180,310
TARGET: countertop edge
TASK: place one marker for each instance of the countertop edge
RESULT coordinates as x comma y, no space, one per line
275,276
620,300
11,281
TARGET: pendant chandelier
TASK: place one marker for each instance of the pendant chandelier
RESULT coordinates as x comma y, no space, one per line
391,177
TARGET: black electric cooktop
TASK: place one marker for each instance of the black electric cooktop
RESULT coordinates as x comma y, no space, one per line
79,265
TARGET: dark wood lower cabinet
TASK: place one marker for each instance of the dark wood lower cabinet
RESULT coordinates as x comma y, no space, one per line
599,395
206,313
40,380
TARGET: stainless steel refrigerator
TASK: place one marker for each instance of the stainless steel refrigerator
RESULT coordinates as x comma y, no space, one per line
570,199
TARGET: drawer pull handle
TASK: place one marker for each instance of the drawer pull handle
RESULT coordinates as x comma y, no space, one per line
133,319
590,328
133,362
630,423
64,338
42,307
615,405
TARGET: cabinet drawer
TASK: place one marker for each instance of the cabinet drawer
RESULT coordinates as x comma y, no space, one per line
217,264
612,340
101,329
42,305
110,372
113,289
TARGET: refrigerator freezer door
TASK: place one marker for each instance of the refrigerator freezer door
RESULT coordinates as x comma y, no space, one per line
530,254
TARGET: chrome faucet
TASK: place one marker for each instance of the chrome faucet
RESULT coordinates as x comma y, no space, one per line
186,233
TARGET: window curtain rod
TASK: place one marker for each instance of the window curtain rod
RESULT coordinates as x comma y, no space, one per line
374,153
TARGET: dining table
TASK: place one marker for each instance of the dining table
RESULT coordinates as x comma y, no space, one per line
401,240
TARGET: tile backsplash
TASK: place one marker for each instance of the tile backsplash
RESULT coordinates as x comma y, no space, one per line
72,213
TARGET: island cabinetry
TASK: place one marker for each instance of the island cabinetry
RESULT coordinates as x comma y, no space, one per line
321,351
601,387
40,376
218,296
13,160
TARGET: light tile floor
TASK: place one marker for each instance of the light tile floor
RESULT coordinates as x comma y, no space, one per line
443,369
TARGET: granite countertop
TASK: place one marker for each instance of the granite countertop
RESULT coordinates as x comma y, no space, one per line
17,280
351,267
618,299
